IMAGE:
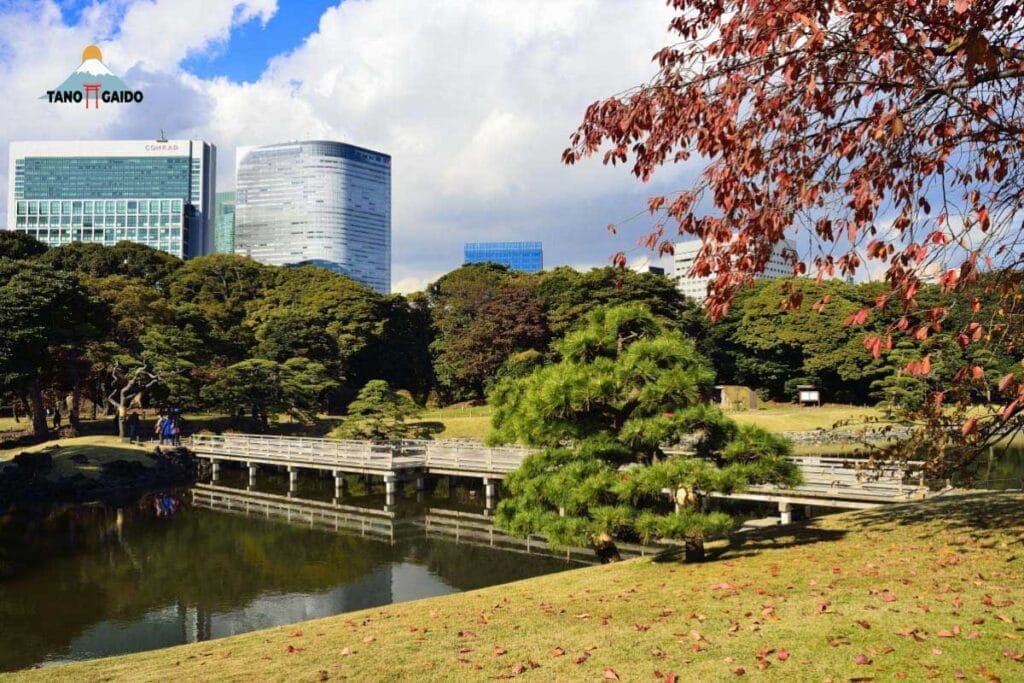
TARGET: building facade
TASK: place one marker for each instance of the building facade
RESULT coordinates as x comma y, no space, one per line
779,265
316,202
525,256
158,193
224,223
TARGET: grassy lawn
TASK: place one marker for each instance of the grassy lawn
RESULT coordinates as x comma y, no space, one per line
474,422
932,590
789,418
98,450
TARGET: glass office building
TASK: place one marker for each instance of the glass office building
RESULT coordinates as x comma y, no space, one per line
525,256
158,193
224,223
316,202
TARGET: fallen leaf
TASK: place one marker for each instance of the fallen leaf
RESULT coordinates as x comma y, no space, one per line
499,650
369,639
296,634
557,652
609,674
863,624
863,659
739,671
782,655
345,652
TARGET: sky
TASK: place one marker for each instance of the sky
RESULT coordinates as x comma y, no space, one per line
475,101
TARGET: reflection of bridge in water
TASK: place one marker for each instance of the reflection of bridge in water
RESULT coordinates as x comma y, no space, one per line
385,525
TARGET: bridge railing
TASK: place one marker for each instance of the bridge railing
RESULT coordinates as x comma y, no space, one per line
445,457
299,450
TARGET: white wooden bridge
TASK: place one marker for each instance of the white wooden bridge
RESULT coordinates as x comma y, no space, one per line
830,482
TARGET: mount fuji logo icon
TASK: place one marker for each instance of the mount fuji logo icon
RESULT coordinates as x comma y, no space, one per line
93,81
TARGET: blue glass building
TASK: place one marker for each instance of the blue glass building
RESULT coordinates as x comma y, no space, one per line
524,256
224,223
158,193
316,202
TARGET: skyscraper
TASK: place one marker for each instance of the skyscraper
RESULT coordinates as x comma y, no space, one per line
158,193
779,265
525,256
224,223
316,202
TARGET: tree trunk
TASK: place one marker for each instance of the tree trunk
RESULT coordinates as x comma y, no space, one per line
39,427
74,418
694,549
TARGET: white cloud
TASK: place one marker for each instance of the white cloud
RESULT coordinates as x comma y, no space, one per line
475,102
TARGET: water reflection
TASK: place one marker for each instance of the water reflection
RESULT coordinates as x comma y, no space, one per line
91,581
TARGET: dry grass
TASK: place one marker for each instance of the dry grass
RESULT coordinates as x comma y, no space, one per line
932,590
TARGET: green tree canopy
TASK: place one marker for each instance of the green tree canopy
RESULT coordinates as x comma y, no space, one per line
19,246
266,388
47,318
379,414
624,386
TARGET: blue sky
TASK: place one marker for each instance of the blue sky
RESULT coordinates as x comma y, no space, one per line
252,44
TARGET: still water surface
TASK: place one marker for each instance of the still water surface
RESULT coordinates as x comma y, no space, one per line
77,584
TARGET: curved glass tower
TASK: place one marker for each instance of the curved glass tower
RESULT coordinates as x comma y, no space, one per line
317,202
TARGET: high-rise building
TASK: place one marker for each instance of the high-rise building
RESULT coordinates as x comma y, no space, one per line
316,202
224,223
524,256
779,265
156,192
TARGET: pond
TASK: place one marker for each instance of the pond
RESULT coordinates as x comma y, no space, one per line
97,580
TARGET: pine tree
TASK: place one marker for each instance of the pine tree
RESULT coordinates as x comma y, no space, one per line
624,386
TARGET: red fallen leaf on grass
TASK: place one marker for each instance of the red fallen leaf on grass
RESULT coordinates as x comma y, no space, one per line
582,658
369,639
739,671
888,597
467,634
641,627
557,652
518,669
973,635
345,652
609,674
863,624
463,660
782,655
499,650
863,659
465,650
1004,618
292,648
821,607
945,634
296,634
1015,656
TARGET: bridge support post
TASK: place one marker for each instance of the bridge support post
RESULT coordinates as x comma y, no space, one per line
421,482
785,512
390,487
489,491
252,475
339,484
293,480
214,470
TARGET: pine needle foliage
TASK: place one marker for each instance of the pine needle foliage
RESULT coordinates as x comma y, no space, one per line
624,387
